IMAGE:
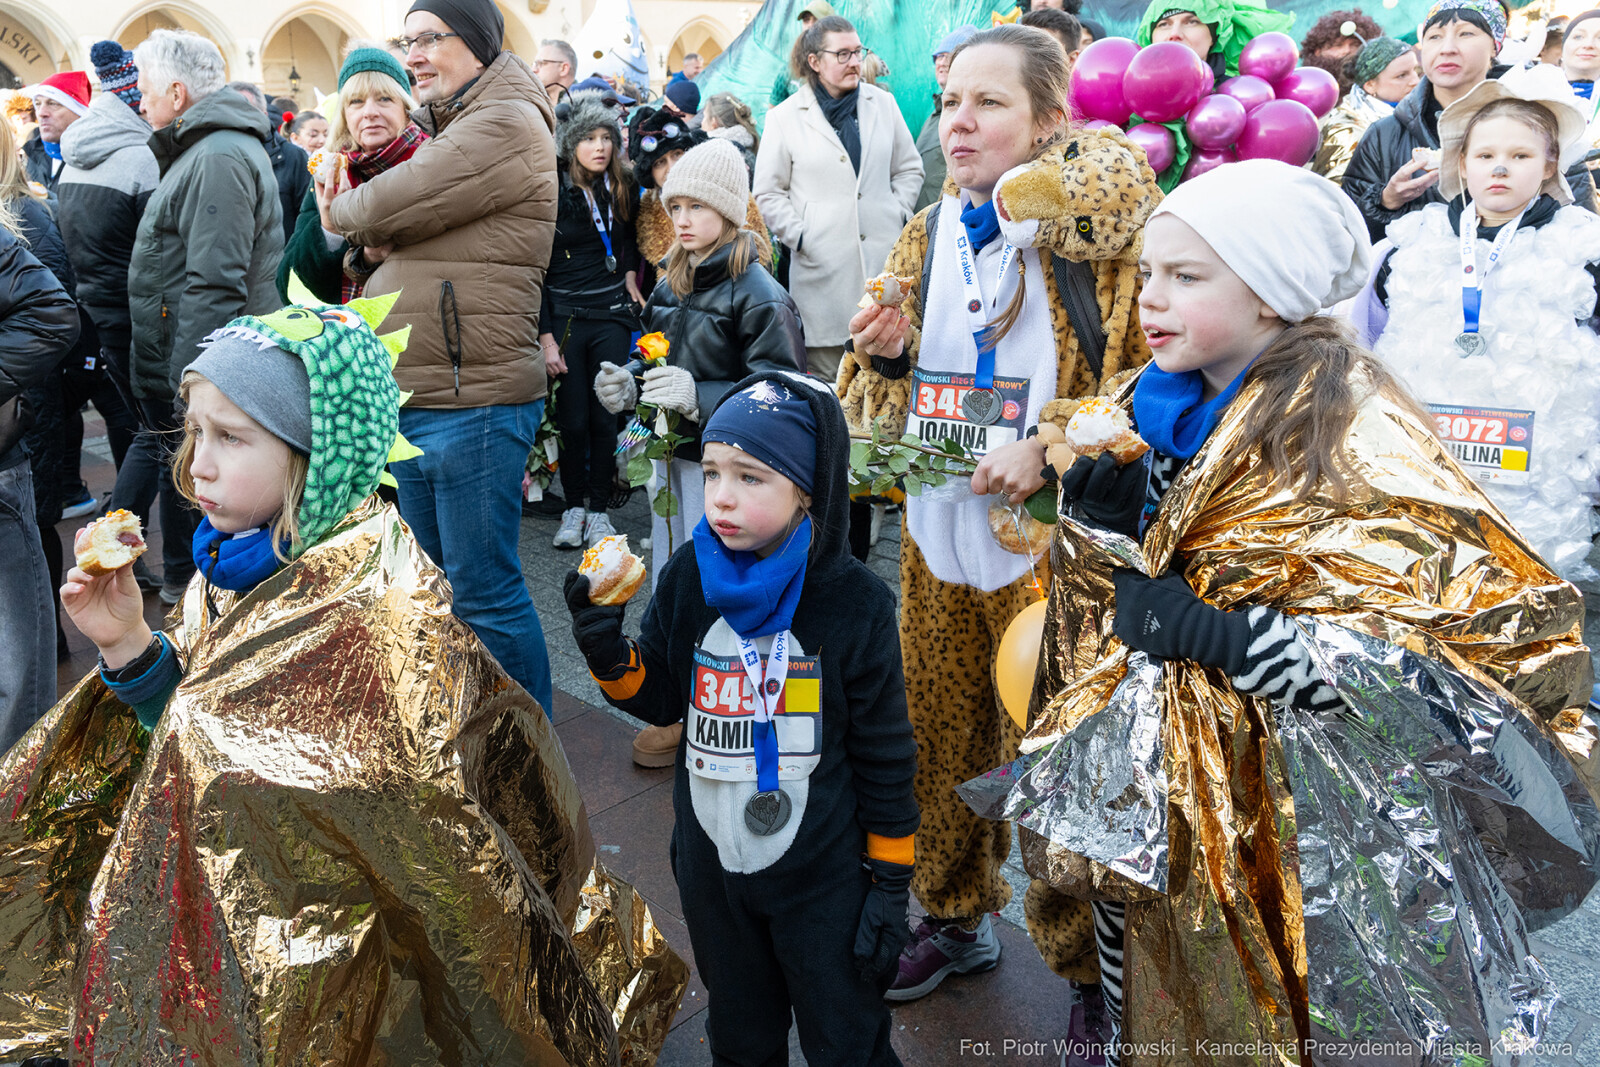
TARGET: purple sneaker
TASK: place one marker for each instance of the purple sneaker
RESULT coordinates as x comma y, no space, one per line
939,949
1088,1029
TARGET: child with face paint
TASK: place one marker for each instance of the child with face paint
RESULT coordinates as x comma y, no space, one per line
1490,300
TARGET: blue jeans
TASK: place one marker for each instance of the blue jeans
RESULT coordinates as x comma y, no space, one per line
462,499
27,611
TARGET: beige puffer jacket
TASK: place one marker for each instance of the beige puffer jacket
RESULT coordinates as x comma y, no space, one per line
472,215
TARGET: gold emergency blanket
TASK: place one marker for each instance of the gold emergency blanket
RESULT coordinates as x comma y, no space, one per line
351,839
1398,845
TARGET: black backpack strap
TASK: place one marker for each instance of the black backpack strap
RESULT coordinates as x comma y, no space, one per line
930,223
1075,282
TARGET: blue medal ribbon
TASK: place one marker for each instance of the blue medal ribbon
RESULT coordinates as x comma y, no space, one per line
769,690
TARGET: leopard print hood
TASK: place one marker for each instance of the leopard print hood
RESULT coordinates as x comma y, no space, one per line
1086,198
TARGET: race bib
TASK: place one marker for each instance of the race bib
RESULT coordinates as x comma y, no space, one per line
1495,445
723,710
936,411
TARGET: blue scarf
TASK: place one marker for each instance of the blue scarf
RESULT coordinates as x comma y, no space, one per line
52,149
982,224
757,596
234,562
1169,413
1583,89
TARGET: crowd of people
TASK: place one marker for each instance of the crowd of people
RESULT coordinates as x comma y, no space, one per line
1370,442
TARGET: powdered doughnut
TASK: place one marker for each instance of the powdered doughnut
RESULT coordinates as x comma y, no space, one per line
886,290
1099,425
109,543
614,573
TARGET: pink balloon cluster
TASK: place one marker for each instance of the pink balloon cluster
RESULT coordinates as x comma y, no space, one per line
1268,111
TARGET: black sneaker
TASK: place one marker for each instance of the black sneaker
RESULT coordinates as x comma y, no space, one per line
147,582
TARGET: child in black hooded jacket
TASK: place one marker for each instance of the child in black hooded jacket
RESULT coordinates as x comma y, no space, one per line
793,858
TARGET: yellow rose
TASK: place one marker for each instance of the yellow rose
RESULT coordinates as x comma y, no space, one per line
653,347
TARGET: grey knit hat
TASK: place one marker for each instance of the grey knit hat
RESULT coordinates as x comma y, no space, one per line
581,114
714,174
268,384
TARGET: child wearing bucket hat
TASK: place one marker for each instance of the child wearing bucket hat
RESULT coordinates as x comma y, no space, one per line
1490,299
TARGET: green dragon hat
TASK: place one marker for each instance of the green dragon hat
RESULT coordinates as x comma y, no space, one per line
355,403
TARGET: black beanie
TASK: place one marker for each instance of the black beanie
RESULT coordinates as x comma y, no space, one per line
1591,14
479,22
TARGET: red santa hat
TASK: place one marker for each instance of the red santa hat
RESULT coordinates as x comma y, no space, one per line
70,89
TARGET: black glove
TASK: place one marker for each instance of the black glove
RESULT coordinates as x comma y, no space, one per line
882,932
1109,495
597,628
1163,617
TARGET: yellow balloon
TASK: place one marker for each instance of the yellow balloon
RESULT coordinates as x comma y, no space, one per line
1017,661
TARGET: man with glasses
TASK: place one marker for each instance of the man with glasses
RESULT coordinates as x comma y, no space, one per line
469,220
836,176
557,67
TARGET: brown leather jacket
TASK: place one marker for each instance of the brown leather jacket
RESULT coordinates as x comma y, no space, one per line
472,215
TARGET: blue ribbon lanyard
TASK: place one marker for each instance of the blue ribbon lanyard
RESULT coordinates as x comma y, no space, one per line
769,690
1471,278
977,319
603,228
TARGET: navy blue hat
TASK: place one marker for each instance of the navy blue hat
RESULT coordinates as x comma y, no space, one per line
685,96
772,423
600,85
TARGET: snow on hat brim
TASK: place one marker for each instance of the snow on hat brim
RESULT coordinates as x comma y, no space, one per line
70,89
1542,84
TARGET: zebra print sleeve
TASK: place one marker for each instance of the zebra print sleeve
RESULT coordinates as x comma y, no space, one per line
1278,667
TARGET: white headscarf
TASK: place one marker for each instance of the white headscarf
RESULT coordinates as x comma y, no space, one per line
1293,237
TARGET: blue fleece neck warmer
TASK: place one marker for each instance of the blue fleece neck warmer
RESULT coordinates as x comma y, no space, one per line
234,562
1169,412
982,224
756,596
52,149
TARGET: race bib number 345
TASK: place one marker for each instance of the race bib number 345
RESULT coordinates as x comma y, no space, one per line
936,411
723,710
1493,444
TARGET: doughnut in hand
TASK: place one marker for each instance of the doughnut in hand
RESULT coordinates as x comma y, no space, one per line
110,542
614,573
1099,425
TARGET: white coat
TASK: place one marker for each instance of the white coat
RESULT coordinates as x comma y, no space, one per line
838,225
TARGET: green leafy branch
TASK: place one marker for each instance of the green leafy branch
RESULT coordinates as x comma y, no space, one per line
877,462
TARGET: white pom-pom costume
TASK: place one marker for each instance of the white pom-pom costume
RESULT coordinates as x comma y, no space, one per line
1542,356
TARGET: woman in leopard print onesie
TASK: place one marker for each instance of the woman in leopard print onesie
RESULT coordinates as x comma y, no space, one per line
1074,204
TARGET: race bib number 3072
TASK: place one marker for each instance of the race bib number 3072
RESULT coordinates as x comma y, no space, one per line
722,712
1493,444
936,411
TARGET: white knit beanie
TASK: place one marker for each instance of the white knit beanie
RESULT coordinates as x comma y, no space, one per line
714,174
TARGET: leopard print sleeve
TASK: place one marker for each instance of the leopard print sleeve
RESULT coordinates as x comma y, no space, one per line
866,395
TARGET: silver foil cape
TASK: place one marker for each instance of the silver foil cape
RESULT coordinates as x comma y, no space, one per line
1435,823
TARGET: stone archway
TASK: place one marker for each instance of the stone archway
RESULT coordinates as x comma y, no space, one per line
301,56
177,15
31,47
702,35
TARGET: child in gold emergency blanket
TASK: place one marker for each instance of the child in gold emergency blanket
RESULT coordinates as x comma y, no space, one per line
315,821
1345,762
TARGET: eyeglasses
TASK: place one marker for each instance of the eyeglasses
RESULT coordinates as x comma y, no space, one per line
425,41
845,55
